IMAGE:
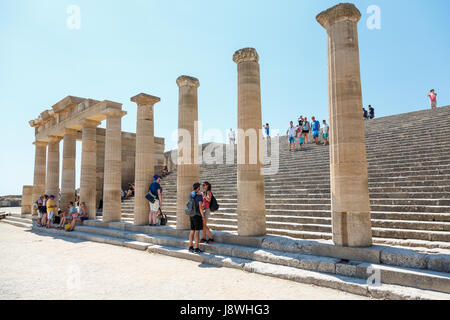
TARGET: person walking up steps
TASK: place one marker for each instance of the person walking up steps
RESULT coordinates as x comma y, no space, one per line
196,219
267,130
325,132
433,99
156,190
315,124
306,129
291,133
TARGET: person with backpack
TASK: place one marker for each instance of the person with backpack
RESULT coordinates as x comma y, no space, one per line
371,112
306,129
194,209
156,191
207,200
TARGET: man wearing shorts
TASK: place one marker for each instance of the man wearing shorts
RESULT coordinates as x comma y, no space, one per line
325,132
315,124
197,219
291,133
433,99
51,210
305,129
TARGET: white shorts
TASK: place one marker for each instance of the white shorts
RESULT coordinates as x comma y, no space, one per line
154,206
50,215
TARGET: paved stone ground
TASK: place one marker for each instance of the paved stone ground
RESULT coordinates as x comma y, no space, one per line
43,267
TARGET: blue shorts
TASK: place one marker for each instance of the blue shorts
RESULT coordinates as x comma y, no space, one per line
291,140
315,134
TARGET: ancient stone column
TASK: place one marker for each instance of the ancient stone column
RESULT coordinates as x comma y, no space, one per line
40,165
68,167
250,178
52,184
112,184
350,206
145,166
88,181
27,199
188,170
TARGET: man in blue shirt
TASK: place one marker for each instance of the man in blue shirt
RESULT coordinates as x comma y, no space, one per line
315,125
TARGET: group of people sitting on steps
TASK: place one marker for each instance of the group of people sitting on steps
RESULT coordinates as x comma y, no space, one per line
49,213
303,130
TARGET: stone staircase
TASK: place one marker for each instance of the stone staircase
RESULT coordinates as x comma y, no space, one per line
409,181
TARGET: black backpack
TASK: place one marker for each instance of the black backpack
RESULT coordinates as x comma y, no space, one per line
213,206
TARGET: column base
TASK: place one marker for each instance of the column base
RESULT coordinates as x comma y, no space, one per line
352,229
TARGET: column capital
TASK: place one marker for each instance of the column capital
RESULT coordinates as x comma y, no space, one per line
184,81
246,55
40,143
113,112
54,139
340,12
90,123
70,131
144,98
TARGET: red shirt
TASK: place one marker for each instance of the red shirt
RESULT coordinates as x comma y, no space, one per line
206,203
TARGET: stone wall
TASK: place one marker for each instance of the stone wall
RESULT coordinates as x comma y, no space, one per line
10,201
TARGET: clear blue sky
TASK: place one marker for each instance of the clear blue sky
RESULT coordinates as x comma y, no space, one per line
127,47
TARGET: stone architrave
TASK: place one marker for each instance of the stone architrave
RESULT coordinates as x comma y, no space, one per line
188,170
350,205
145,164
250,178
40,165
112,187
68,167
88,181
52,184
27,201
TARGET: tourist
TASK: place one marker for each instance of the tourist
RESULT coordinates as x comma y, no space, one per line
325,132
130,191
63,215
315,125
196,220
83,212
122,195
40,210
44,211
291,133
433,99
371,112
365,114
165,172
51,210
301,142
156,190
207,196
300,122
74,216
306,129
231,136
267,130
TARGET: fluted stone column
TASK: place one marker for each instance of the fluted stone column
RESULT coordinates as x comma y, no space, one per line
188,171
40,165
250,178
68,167
145,166
88,183
350,206
52,184
113,166
27,199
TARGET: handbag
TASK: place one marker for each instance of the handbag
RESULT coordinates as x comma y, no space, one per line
163,218
150,197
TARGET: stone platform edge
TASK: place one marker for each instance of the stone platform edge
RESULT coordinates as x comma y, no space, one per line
377,254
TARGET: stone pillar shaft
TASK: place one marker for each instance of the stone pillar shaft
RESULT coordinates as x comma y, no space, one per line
145,165
40,164
188,171
89,167
27,199
52,185
350,205
250,178
68,167
113,168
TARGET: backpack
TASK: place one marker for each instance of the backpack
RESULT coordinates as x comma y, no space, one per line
213,205
190,207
